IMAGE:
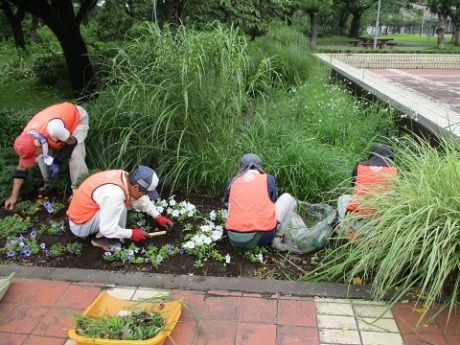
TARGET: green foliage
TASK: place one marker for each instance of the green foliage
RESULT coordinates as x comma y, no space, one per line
191,103
59,249
51,70
414,243
135,325
14,122
26,208
12,226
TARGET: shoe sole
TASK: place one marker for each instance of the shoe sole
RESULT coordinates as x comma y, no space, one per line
105,247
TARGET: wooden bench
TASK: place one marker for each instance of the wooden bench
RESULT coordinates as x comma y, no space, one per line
367,45
391,44
353,43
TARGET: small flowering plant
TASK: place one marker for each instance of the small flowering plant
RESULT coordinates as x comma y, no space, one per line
178,211
73,248
52,228
135,255
202,243
21,247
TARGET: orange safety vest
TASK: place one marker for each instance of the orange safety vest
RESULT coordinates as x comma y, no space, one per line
67,112
250,208
83,207
375,179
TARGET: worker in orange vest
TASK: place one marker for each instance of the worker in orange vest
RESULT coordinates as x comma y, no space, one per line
254,211
100,206
375,175
62,128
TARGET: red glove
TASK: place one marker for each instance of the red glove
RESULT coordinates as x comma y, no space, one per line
138,235
164,222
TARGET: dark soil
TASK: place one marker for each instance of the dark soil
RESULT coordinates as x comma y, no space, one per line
276,265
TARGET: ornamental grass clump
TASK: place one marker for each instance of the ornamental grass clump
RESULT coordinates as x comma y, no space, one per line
413,246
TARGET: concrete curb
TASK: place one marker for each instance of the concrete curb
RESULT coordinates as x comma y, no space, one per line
186,282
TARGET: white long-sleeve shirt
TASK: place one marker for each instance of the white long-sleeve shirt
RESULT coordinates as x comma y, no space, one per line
111,200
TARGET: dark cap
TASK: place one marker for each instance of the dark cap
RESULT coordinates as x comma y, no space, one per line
147,179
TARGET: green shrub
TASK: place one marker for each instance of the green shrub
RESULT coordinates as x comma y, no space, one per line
51,70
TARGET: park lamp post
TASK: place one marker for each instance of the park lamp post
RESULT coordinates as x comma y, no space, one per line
377,25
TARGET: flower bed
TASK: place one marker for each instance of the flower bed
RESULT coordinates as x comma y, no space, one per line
37,233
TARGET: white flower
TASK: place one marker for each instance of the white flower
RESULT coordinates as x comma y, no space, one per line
169,210
216,235
219,228
260,258
225,214
175,213
205,228
160,209
172,202
227,258
198,240
190,214
212,215
189,245
164,203
207,240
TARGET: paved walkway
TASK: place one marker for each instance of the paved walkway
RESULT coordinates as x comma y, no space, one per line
428,96
231,313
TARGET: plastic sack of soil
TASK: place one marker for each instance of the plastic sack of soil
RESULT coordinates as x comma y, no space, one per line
309,232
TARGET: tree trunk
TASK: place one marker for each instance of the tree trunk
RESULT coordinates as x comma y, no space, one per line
33,29
15,21
343,18
440,29
60,17
81,72
456,26
355,25
313,28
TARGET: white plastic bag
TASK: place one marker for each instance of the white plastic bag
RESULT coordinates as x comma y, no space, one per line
301,238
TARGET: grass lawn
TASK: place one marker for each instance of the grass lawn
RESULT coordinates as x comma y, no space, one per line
27,93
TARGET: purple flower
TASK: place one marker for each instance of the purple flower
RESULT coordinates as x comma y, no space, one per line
72,251
169,249
159,259
25,253
8,244
128,256
47,204
42,245
21,240
139,223
108,254
33,234
59,232
25,248
10,254
47,252
181,251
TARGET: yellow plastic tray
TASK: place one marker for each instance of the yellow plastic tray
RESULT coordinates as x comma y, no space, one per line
106,304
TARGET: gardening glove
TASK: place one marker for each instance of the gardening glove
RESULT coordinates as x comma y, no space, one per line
53,170
164,222
138,235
